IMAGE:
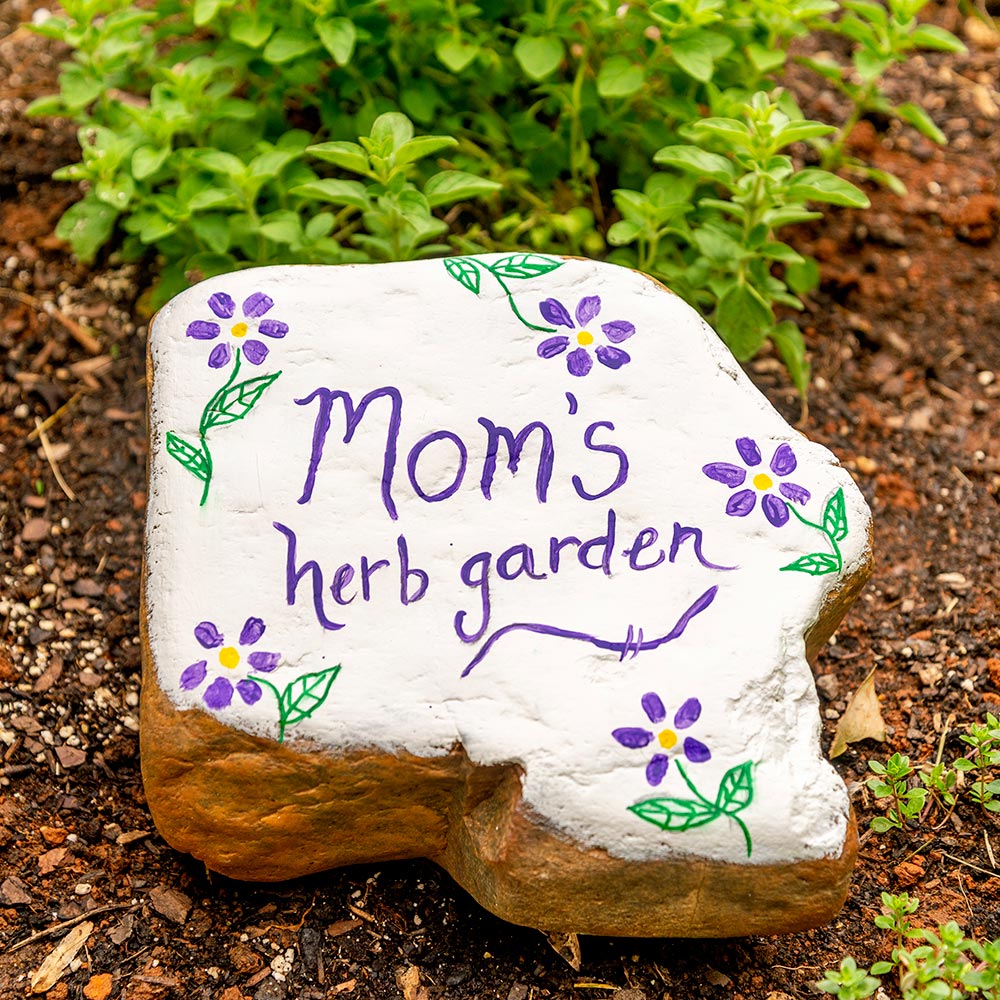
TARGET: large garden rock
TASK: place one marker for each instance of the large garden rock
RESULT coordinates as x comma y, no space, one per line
500,561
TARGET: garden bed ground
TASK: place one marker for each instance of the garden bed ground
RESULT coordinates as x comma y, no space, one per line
905,341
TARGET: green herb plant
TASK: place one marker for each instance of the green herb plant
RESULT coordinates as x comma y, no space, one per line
220,134
946,966
881,34
985,754
892,782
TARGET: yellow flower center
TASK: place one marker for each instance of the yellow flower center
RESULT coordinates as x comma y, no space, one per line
667,738
229,657
239,330
584,337
763,481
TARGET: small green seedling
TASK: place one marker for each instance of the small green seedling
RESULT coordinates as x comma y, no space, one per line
892,783
985,754
849,982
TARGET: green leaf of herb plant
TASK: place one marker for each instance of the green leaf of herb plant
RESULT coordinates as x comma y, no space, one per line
86,226
676,814
287,44
695,160
464,272
454,53
620,77
348,155
765,59
930,36
146,160
524,265
392,129
193,459
696,54
735,789
336,192
820,185
539,57
338,36
449,186
788,339
817,564
251,30
422,146
237,401
915,115
743,321
305,694
835,516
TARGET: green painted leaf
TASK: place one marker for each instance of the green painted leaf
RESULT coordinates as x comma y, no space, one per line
835,516
524,265
735,789
236,402
817,564
464,272
676,814
193,459
540,56
305,694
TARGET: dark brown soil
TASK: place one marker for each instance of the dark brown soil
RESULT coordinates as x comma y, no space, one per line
904,336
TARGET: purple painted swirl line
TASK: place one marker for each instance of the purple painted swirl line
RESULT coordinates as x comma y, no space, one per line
632,645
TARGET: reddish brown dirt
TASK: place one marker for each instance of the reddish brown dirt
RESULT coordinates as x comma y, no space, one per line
904,335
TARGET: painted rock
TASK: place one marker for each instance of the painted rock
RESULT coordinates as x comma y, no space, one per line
499,561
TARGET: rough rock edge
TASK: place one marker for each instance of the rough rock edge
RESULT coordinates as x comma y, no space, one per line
312,810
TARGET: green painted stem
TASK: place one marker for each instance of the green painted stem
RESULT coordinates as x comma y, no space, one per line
203,428
277,695
826,534
690,784
746,832
513,305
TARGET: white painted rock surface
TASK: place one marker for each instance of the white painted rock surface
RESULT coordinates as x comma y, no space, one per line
343,558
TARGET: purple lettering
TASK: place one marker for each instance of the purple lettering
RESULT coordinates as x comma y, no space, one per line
610,449
293,575
681,535
414,456
556,545
515,445
645,538
367,572
405,572
605,542
526,563
341,578
479,562
352,419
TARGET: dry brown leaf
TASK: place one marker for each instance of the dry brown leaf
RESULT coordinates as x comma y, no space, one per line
862,719
567,947
57,961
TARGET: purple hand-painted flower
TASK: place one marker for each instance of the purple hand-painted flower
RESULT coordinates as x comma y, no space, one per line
743,501
254,308
636,737
579,361
219,692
